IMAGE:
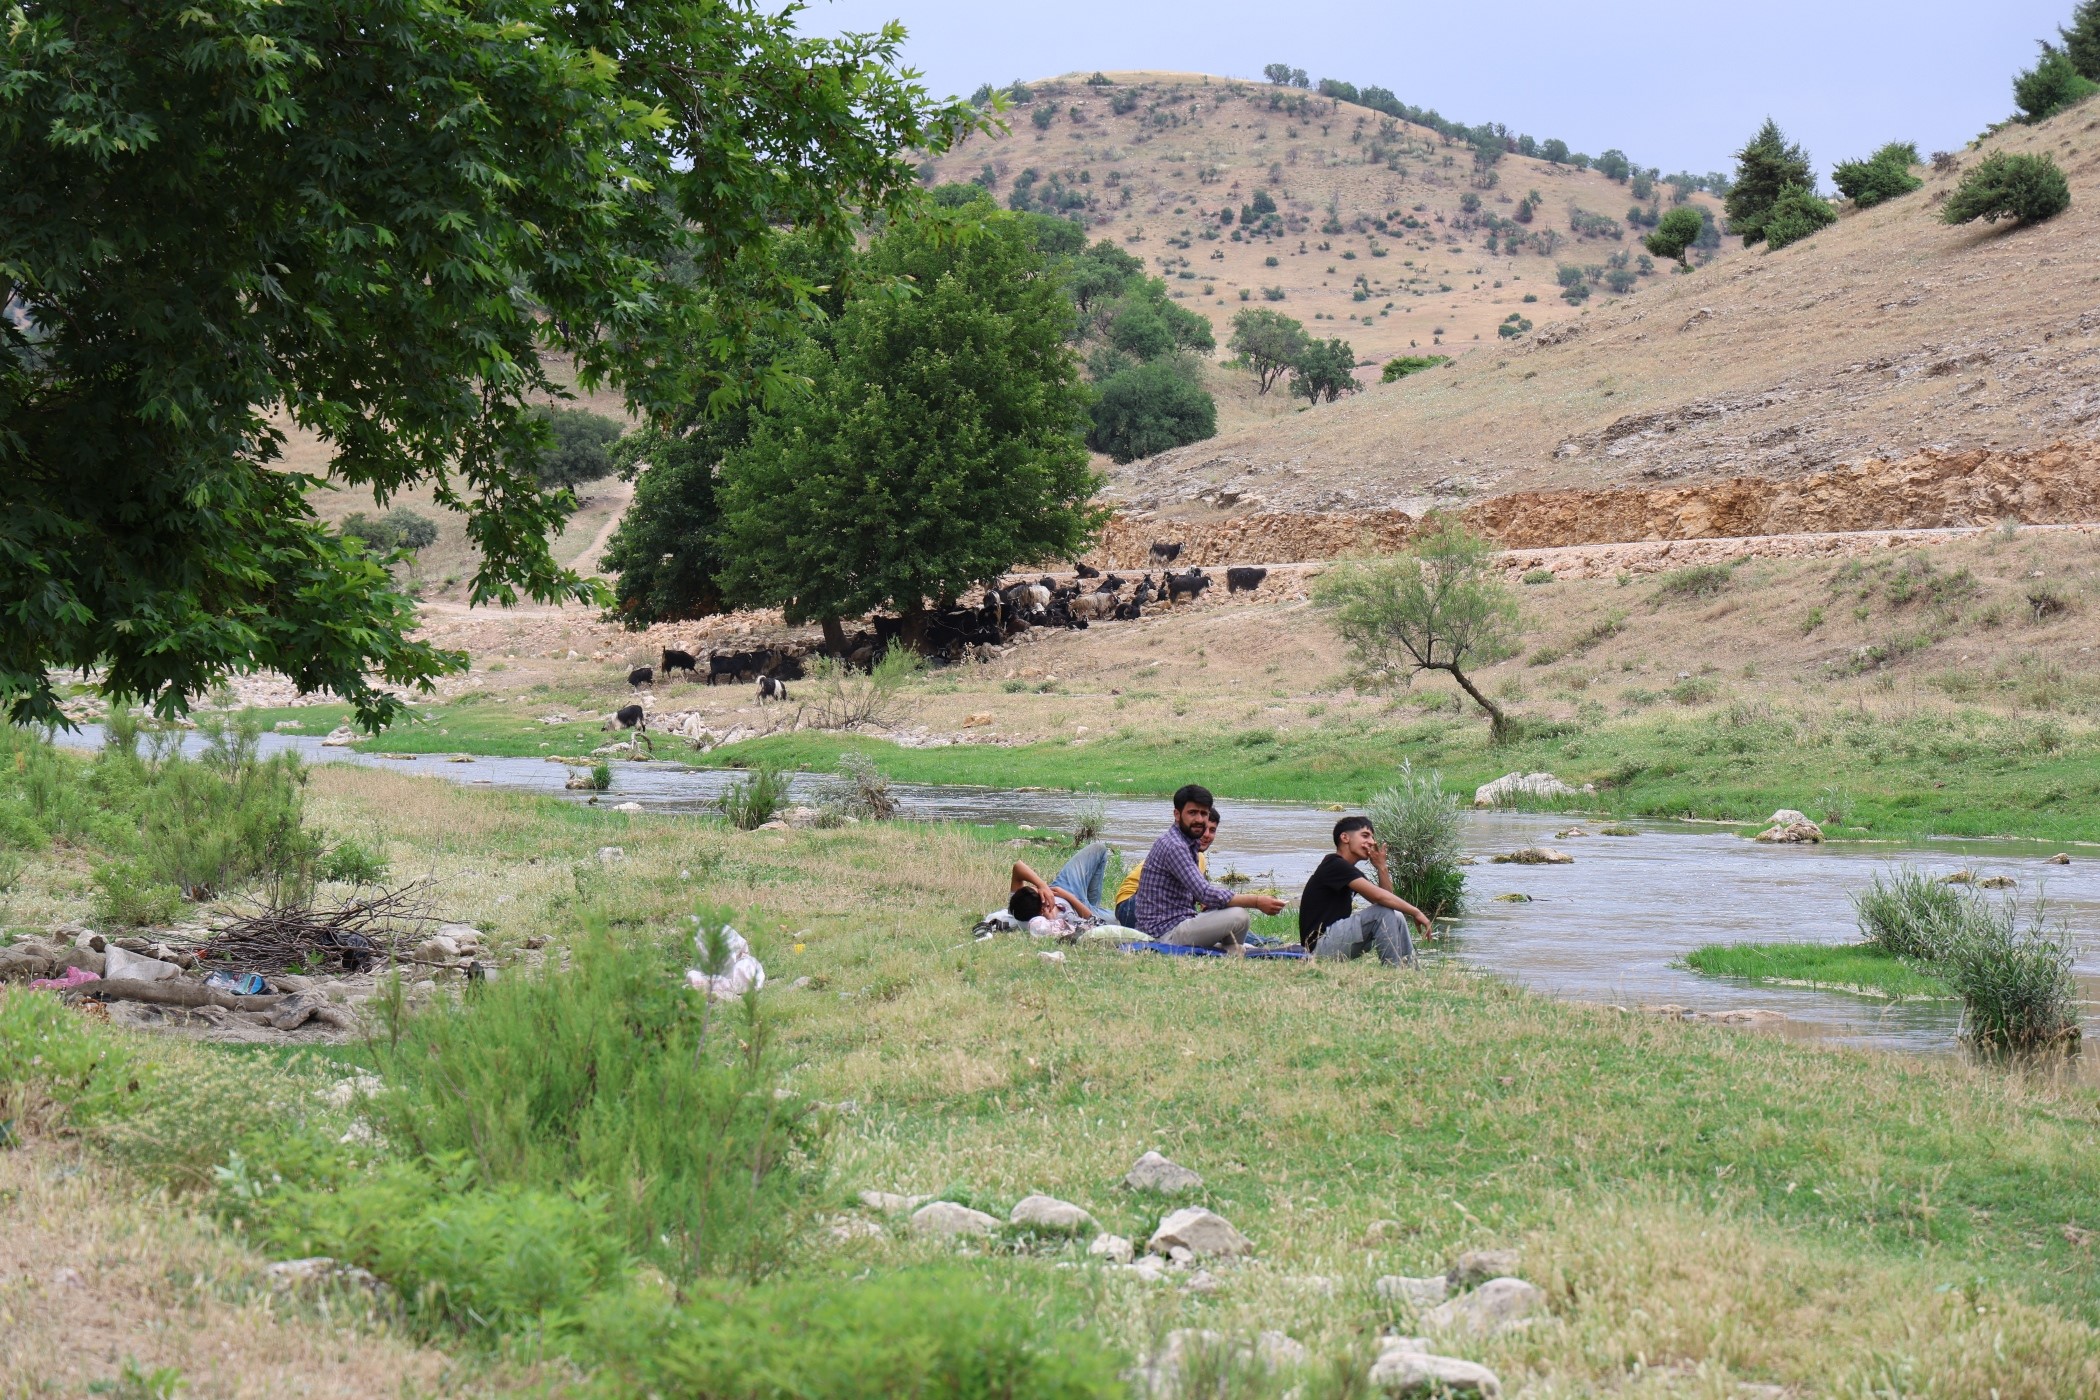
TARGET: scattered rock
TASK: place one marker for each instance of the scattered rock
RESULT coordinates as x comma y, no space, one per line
1479,1265
978,720
339,737
1747,1016
1153,1172
628,807
1421,1294
775,825
1536,855
2060,858
1181,1256
848,1229
1511,786
300,1275
1202,1232
1277,1350
1959,877
1996,882
1616,830
1802,833
121,966
1114,1248
1570,834
609,855
438,949
1786,816
1049,1213
948,1218
1512,898
1496,1306
1412,1370
1151,1268
889,1203
1203,1281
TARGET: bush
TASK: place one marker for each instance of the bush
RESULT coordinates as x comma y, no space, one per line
1882,176
1401,366
2006,186
1910,915
611,1079
858,790
399,528
1324,371
1423,828
2050,86
1675,234
1795,215
352,863
1149,408
58,1069
2015,983
846,698
578,447
229,819
1698,581
754,799
127,894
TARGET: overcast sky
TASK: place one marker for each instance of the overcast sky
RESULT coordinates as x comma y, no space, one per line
1673,85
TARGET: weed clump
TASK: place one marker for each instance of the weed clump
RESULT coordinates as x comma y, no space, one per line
858,791
2015,982
754,799
1910,915
1698,581
1422,827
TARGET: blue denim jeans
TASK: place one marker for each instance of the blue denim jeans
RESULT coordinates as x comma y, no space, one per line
1082,874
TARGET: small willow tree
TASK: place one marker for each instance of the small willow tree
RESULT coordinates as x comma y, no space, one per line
1440,605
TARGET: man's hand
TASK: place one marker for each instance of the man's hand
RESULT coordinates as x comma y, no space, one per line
1266,903
1378,855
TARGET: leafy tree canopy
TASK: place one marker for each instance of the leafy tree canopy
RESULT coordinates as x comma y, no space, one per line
372,220
1148,408
1269,341
937,445
1765,168
578,449
1883,176
399,528
1324,371
2008,186
1795,215
2082,40
2051,85
1676,234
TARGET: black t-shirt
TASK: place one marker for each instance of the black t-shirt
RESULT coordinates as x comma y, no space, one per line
1327,898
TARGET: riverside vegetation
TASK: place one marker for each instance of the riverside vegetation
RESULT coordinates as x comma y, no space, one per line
1703,1200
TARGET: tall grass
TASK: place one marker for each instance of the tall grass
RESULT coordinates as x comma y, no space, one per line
755,799
612,1077
1909,914
1422,826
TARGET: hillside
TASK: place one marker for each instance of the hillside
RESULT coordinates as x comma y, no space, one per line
1876,346
1370,239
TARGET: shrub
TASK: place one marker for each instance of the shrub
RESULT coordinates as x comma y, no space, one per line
577,447
352,863
1423,828
844,697
1401,366
58,1069
612,1079
1698,581
2051,85
2015,983
1149,408
1324,371
2007,186
1766,168
1910,915
1675,234
858,789
127,893
1882,176
399,528
228,819
754,799
1795,215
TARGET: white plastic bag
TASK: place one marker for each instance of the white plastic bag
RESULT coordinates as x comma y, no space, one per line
743,974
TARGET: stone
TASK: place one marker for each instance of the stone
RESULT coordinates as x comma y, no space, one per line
1802,833
1786,816
1498,1305
948,1218
1477,1266
1151,1269
121,966
775,825
1535,855
440,950
1403,1371
1049,1213
1203,1281
848,1229
1569,834
1153,1172
889,1203
2060,858
339,737
1511,786
1202,1232
1513,898
627,807
610,855
1996,882
296,1275
1114,1248
1420,1294
465,935
1277,1350
1181,1256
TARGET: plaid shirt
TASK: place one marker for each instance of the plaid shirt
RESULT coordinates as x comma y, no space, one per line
1172,885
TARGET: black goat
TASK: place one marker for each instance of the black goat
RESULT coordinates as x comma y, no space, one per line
640,676
1164,553
1190,585
771,689
678,661
1247,578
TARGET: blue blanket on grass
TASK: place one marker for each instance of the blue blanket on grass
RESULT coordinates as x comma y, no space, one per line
1175,950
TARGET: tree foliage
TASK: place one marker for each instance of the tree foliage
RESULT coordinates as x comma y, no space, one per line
372,219
938,443
1765,169
1883,176
399,528
1324,371
1269,341
665,551
2082,40
577,449
1149,408
1795,215
1675,235
2053,84
2009,186
1401,366
1441,605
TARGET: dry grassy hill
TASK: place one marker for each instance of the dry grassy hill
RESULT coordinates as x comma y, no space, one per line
1885,339
1151,160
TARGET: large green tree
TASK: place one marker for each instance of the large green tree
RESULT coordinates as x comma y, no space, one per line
1149,408
371,221
938,444
2082,40
1269,342
1765,169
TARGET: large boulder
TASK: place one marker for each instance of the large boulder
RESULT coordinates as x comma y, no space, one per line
1511,787
1153,1172
1406,1367
948,1218
1050,1214
1801,833
1199,1231
1498,1305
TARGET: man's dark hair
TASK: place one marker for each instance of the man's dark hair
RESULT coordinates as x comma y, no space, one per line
1025,904
1215,819
1195,794
1348,824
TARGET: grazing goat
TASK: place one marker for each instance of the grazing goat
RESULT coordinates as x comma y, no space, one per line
1164,554
631,717
678,661
640,676
1190,584
1097,606
726,663
1247,578
771,689
1085,570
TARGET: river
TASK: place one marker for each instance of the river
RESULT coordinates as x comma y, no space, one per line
1610,928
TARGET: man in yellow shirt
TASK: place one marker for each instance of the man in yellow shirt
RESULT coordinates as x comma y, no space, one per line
1126,893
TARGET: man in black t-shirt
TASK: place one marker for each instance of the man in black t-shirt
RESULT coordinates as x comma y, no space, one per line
1326,924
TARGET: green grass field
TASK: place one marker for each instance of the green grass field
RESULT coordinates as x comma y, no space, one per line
1856,968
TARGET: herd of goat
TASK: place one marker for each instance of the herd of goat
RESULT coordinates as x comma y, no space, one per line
956,633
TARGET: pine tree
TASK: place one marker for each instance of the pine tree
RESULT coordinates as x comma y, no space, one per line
2082,40
1765,169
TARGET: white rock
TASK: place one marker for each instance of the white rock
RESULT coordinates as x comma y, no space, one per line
948,1218
1151,1269
608,855
1496,1306
1181,1256
441,950
120,966
1403,1372
1417,1293
1153,1172
627,807
1477,1266
889,1203
1049,1213
339,737
465,935
1202,1232
1112,1247
1279,1349
1792,834
850,1229
1511,786
345,1092
1203,1281
1785,816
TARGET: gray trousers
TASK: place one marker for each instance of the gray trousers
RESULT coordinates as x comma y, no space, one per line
1373,926
1213,928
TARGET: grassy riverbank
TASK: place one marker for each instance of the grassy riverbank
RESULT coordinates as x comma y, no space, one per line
1712,1202
1858,968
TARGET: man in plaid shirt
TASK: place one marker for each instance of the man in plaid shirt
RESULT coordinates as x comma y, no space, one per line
1172,885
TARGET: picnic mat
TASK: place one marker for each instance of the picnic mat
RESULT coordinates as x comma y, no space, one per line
1175,950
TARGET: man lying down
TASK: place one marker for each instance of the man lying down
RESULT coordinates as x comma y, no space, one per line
1069,903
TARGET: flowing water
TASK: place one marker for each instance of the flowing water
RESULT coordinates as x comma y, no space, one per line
1610,928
